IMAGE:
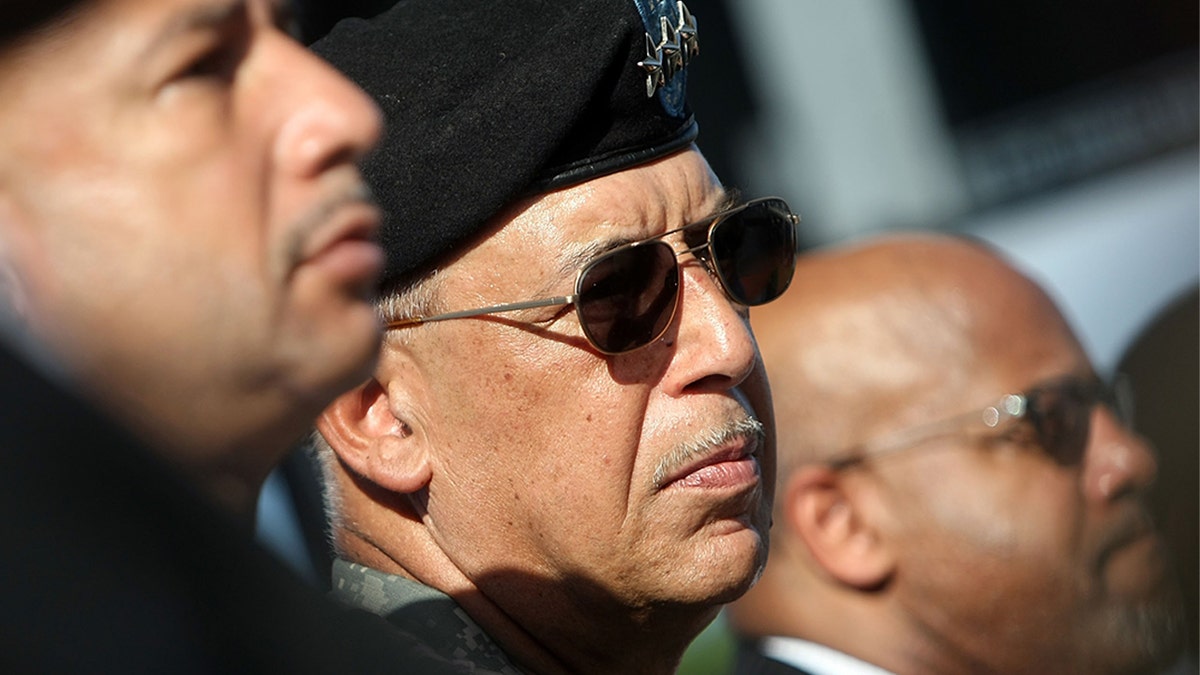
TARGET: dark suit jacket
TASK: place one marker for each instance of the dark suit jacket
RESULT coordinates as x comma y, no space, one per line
110,561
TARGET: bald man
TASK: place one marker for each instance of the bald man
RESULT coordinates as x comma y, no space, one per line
957,490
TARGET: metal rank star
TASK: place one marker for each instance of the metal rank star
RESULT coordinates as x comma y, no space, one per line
689,38
672,52
668,57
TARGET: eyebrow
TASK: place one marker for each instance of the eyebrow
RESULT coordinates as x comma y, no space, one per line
732,198
208,16
577,258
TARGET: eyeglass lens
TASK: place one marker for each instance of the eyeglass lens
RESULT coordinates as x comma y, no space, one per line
755,255
628,298
1061,415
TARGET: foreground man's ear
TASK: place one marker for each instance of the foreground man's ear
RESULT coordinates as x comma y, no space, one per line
822,513
373,442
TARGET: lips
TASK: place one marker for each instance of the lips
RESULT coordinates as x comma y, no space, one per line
351,221
340,240
1134,528
731,465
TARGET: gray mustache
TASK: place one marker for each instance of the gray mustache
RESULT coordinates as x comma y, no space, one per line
698,447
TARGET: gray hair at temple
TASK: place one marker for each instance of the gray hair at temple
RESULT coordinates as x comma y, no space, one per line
414,298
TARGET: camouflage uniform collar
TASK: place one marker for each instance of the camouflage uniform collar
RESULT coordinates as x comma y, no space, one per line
430,615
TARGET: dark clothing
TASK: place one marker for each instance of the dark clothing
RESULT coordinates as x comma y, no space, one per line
113,562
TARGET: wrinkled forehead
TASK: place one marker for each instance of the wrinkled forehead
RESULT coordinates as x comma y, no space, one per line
580,221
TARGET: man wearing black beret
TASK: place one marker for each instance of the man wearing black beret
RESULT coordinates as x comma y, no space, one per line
564,461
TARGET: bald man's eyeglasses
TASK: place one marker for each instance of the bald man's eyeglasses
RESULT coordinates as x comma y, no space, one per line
1057,412
626,298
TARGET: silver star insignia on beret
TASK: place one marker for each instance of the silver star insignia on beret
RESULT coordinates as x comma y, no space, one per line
670,55
653,65
689,37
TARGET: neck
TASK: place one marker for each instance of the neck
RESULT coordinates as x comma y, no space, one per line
562,636
579,639
230,477
229,490
871,627
228,460
540,624
794,599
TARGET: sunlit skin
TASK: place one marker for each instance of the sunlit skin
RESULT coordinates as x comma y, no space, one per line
969,552
183,226
541,483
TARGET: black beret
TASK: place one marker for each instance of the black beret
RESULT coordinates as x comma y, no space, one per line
488,102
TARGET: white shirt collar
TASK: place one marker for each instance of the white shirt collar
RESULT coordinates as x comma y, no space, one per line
816,659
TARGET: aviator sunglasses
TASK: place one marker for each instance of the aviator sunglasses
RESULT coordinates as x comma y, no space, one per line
1058,412
626,298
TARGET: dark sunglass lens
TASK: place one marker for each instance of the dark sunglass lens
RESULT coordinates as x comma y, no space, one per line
1062,417
627,298
754,252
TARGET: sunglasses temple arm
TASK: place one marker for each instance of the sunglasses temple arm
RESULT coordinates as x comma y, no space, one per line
1012,405
494,309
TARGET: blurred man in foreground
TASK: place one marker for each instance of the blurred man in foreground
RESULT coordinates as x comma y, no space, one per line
958,491
187,259
563,462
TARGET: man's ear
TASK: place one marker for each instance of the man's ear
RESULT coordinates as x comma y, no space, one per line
373,442
828,519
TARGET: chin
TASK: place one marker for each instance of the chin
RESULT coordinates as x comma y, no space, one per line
360,362
735,563
341,360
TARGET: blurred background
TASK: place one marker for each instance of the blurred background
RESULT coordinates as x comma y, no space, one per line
1065,133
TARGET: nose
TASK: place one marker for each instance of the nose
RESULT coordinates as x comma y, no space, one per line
330,121
715,349
1118,461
